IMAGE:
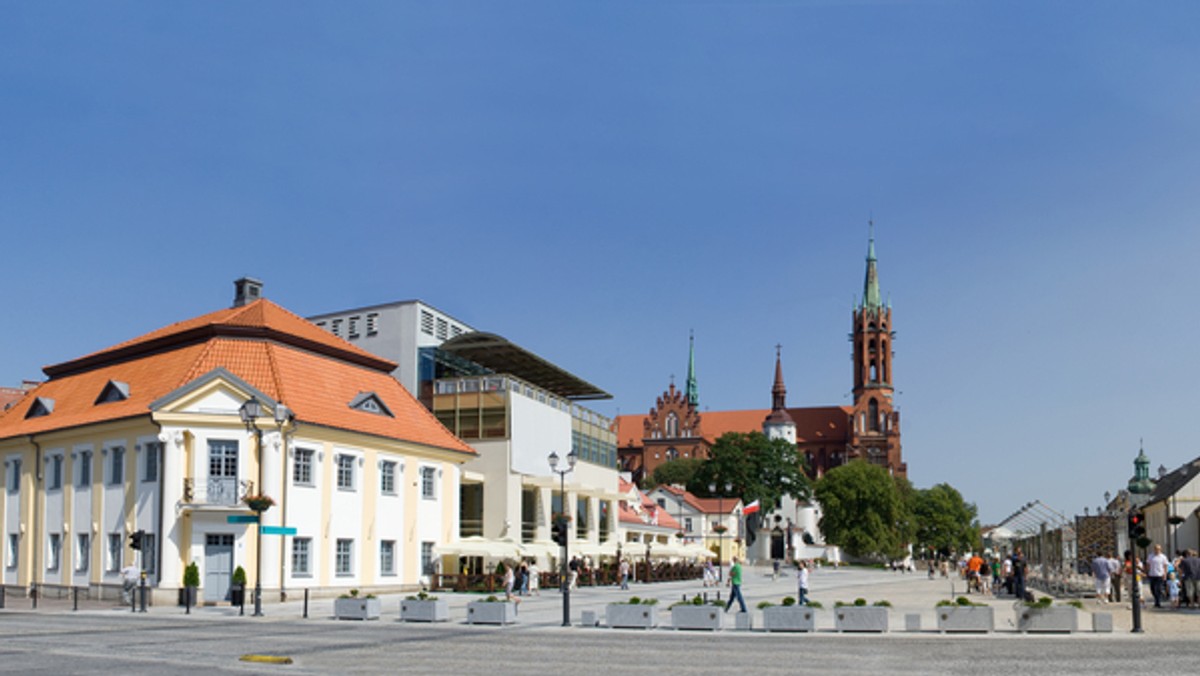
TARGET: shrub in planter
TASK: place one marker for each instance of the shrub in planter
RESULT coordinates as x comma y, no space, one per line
351,607
191,581
424,608
237,592
963,615
635,613
859,616
491,610
788,616
1044,616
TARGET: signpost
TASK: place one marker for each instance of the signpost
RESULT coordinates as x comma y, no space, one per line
278,530
242,518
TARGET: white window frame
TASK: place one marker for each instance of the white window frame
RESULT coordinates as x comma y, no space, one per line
53,551
14,475
302,554
116,465
151,462
54,474
116,551
83,476
83,552
387,477
303,460
429,483
387,557
427,558
345,481
343,557
14,551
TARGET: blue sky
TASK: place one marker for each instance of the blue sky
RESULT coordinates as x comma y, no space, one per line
594,179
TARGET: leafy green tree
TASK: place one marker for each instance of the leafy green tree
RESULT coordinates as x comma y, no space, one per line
864,510
944,522
756,467
679,471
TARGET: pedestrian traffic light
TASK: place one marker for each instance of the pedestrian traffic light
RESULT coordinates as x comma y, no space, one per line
1137,526
135,539
559,532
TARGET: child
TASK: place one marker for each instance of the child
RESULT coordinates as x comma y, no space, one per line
1173,590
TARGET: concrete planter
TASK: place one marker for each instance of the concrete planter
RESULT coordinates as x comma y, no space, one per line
966,619
429,610
491,612
789,618
697,617
357,609
861,618
631,616
1060,619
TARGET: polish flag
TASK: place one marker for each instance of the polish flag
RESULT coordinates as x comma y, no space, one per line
751,508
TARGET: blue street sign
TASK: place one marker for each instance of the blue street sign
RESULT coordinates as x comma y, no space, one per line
242,518
278,530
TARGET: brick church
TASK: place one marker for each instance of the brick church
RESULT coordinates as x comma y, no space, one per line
827,436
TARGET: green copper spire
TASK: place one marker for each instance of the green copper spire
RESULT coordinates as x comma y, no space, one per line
1141,482
871,297
693,393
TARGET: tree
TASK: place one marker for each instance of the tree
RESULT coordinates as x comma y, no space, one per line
864,510
679,471
756,467
944,522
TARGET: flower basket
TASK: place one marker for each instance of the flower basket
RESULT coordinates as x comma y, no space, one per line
259,503
720,529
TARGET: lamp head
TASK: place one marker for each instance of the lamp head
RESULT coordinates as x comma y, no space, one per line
250,410
553,461
571,459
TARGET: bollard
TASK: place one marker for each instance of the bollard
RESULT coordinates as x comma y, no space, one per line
3,594
143,592
187,600
75,598
306,603
33,594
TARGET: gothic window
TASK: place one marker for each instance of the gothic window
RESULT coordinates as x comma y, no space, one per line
672,425
672,454
874,371
873,415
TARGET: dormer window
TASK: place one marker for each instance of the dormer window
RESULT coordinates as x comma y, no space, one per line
41,406
114,390
370,402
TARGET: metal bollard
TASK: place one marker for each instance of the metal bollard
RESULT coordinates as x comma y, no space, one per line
3,594
143,591
33,594
306,603
75,598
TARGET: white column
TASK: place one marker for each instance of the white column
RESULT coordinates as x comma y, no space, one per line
272,485
171,573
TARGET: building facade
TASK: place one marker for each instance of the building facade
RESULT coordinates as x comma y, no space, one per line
158,435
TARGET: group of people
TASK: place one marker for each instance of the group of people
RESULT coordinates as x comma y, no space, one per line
523,580
735,584
986,574
1172,581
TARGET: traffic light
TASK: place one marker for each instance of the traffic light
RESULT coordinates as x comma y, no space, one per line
135,539
1137,526
559,532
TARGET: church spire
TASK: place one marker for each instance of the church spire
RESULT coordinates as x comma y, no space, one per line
693,392
779,424
778,391
872,300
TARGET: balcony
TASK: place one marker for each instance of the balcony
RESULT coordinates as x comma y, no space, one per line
216,491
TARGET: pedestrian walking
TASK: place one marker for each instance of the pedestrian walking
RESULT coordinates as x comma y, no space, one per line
1156,571
535,579
1101,575
624,573
129,580
1190,567
735,585
1018,567
802,583
1114,578
710,574
510,579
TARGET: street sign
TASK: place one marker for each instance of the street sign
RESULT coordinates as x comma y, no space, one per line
242,518
278,530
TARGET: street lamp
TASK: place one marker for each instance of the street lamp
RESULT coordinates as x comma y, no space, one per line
250,412
712,488
566,536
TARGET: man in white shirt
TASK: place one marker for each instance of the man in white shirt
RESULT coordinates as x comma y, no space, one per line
1156,570
1101,575
129,576
802,583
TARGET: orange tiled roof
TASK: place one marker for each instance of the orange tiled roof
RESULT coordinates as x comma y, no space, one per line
813,424
705,505
271,349
10,395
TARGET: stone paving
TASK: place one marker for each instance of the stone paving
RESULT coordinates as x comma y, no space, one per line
908,593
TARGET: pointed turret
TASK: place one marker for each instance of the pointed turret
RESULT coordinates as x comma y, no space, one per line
692,391
1141,484
779,424
872,299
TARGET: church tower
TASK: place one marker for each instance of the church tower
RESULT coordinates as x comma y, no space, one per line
875,424
779,424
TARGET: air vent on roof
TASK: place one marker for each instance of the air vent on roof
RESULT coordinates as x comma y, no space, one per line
41,406
113,391
370,402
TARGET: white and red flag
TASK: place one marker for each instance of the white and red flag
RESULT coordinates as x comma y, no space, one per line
751,508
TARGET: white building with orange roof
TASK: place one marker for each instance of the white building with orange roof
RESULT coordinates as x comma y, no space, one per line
151,436
711,523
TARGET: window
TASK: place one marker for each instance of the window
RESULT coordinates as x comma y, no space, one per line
54,476
83,552
672,425
428,488
345,472
427,558
441,328
117,469
372,323
53,551
14,550
687,524
302,467
150,465
14,476
344,559
301,561
387,557
114,552
426,323
337,327
387,478
354,326
85,469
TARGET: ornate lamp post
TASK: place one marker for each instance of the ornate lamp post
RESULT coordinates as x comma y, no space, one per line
562,491
250,411
712,488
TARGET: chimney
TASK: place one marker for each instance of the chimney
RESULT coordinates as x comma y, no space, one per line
246,291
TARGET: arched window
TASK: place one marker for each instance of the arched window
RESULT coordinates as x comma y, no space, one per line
672,454
874,371
873,415
672,425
